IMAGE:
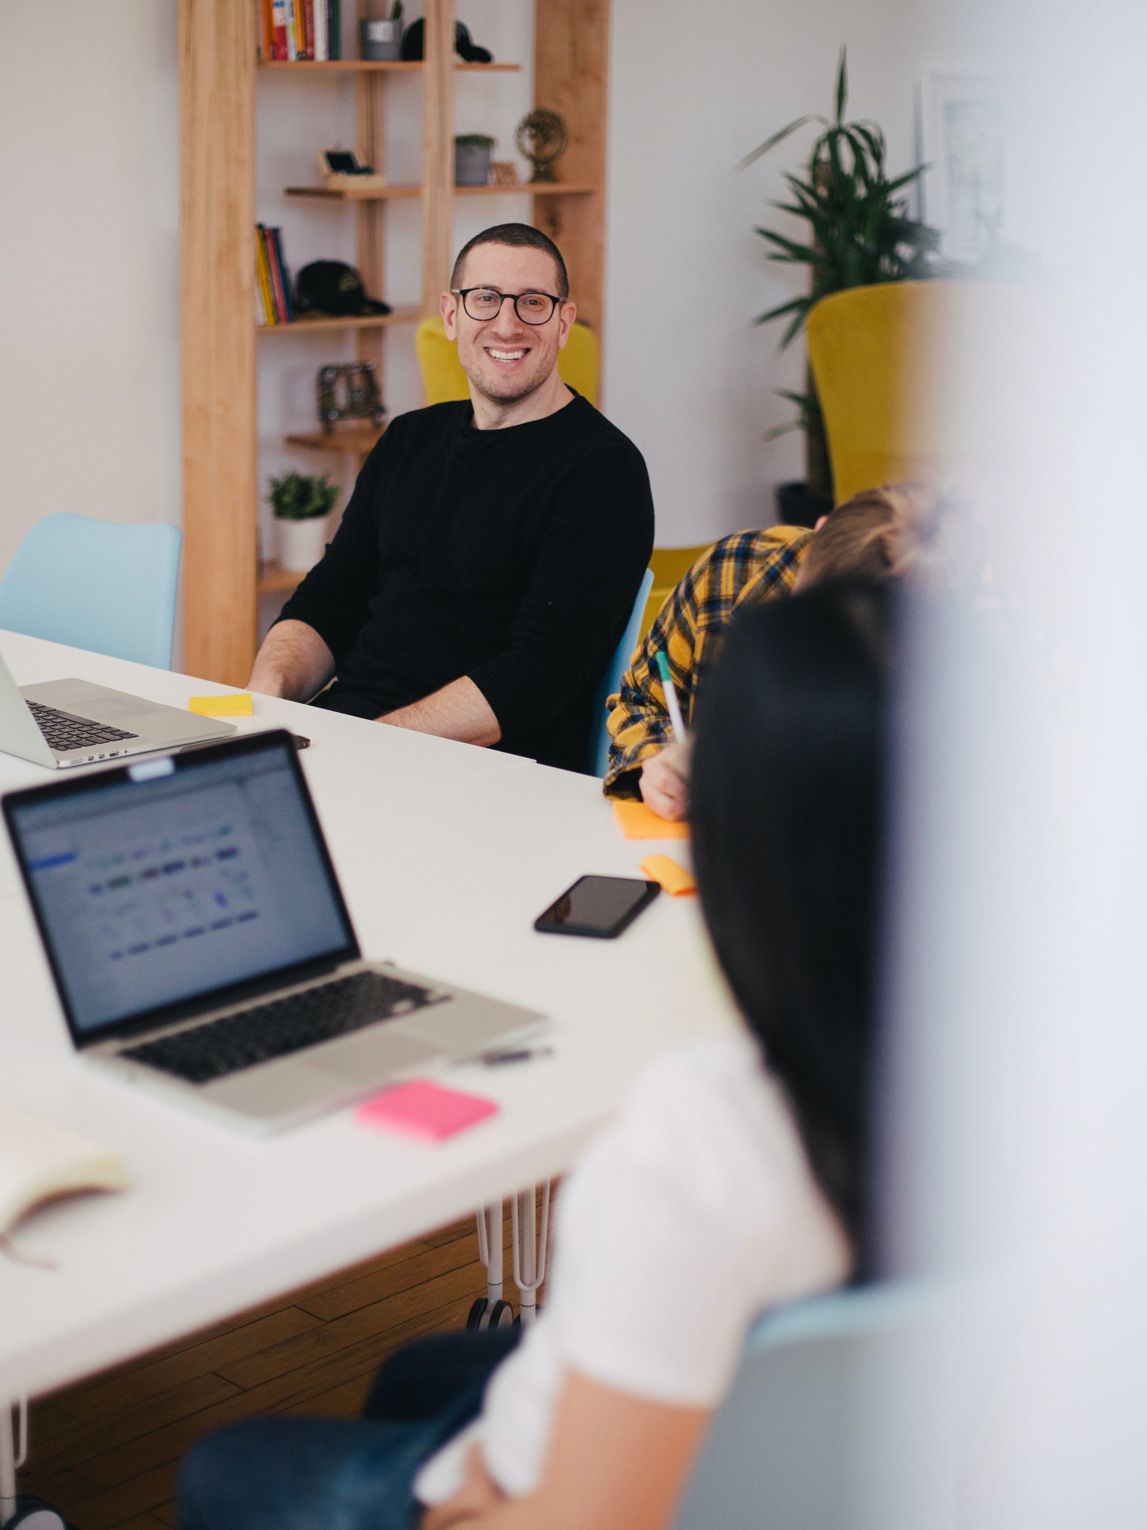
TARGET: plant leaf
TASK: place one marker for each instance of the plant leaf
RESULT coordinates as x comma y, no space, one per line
841,85
778,137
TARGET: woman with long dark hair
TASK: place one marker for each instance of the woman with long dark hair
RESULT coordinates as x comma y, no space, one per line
734,1179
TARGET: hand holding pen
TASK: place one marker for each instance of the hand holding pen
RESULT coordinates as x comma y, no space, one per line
664,780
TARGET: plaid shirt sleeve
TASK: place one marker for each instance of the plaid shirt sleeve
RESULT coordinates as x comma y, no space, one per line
756,565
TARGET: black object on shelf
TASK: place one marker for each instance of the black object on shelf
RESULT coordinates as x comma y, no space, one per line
413,46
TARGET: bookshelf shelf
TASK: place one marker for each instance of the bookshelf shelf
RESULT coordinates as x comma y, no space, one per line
527,188
357,441
385,193
274,580
347,194
367,66
335,321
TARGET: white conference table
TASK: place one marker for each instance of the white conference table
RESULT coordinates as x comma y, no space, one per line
446,854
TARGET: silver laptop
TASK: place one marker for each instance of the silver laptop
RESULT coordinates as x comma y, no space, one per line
61,723
200,943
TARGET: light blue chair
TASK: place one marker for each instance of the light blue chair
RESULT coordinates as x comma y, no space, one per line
850,1412
598,756
106,586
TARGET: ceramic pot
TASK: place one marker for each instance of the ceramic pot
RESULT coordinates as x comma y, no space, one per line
300,544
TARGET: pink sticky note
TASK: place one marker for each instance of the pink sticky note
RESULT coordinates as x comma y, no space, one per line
425,1110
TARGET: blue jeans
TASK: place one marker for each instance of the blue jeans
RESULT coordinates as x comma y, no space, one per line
343,1474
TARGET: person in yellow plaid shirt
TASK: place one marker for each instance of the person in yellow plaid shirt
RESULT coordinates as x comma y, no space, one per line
878,534
750,565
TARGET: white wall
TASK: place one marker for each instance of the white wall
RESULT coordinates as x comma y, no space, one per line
693,89
89,320
89,382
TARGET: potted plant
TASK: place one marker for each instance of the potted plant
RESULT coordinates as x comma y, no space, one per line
301,503
472,159
859,232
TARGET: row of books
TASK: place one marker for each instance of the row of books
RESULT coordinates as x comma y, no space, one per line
273,303
291,30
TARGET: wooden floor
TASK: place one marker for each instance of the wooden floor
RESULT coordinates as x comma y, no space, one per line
105,1453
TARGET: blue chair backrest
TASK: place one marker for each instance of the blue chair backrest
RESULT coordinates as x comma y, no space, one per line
848,1413
598,757
106,586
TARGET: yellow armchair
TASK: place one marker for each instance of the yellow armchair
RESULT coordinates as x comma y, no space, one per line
891,368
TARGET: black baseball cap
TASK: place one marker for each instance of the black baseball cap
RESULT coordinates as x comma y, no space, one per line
413,46
329,286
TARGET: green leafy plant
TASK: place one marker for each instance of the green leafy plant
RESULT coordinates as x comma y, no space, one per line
301,496
474,141
859,233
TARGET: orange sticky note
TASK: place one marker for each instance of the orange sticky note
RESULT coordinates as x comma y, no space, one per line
675,879
424,1109
228,704
636,821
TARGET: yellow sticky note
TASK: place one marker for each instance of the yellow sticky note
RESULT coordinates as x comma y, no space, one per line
230,704
637,821
674,878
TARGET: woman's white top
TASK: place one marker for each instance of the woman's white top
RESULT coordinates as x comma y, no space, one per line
694,1211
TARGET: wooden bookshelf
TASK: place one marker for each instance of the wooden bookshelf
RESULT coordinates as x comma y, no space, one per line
219,73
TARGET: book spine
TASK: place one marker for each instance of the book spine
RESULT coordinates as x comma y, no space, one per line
266,40
297,7
263,275
292,52
277,286
334,12
279,29
322,46
284,276
309,28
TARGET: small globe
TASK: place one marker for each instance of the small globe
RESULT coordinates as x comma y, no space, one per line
541,138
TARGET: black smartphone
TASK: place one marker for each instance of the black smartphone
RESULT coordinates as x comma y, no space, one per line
600,906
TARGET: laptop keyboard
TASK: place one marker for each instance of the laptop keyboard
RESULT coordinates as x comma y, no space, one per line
63,731
281,1027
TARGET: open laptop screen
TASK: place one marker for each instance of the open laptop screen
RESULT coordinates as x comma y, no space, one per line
177,877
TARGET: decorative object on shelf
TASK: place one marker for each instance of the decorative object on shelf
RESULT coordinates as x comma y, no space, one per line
414,45
472,159
348,392
542,138
503,172
329,286
341,170
859,233
301,503
381,41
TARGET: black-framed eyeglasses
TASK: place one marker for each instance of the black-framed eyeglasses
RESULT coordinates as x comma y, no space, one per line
485,303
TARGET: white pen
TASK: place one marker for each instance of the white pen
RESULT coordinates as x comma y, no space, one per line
670,696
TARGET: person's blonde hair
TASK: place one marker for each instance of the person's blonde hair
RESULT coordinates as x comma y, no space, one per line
901,530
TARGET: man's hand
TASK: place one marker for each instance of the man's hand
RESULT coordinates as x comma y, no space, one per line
294,662
478,1494
664,782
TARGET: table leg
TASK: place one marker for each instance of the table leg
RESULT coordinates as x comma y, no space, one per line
531,1246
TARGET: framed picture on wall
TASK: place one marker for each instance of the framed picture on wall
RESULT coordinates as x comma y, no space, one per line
963,138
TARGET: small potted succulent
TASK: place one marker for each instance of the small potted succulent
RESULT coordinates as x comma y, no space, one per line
472,159
301,503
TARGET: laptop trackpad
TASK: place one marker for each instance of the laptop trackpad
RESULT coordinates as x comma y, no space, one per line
372,1053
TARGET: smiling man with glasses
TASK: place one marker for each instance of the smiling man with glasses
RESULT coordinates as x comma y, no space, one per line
489,556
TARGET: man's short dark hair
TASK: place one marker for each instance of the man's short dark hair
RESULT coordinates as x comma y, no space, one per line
519,236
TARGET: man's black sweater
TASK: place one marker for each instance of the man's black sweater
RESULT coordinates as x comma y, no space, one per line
512,556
